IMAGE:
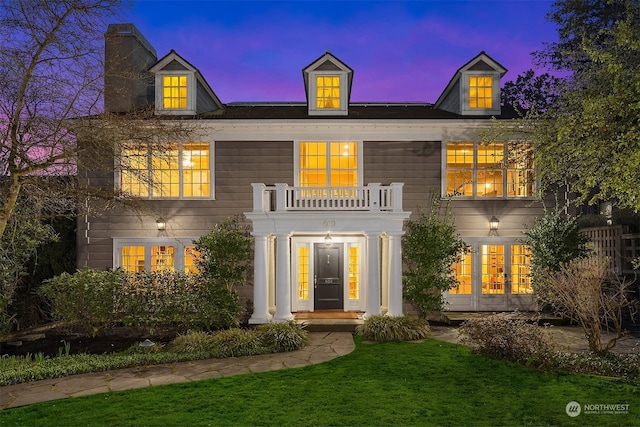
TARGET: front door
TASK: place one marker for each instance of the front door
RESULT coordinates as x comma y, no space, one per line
328,279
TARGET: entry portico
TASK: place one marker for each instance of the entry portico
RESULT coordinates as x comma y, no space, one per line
332,248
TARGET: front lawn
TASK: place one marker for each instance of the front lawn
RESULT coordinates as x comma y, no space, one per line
431,383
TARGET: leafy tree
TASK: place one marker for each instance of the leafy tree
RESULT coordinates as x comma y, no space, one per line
429,249
554,239
590,139
531,93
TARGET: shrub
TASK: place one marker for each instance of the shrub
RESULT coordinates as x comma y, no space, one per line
510,337
98,299
382,328
429,248
192,342
235,342
280,337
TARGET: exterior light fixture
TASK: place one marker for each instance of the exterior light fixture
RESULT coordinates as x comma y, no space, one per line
327,239
493,226
161,224
147,344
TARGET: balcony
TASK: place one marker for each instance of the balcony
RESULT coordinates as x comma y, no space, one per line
372,198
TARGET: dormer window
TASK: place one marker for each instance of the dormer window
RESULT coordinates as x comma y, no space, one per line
328,92
181,89
174,92
327,82
480,92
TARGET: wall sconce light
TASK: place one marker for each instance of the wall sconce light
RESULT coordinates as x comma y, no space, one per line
493,226
328,239
161,224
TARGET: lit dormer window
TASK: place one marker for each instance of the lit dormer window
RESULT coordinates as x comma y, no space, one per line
328,92
480,92
174,92
327,82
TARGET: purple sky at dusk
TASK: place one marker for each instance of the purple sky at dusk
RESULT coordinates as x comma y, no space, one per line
399,50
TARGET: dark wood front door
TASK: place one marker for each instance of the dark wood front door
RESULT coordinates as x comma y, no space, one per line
328,278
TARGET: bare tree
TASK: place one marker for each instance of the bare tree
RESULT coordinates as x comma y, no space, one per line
590,294
51,105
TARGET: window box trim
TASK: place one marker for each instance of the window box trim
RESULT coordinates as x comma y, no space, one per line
191,93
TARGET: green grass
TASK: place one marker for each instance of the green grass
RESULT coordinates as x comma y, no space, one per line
431,383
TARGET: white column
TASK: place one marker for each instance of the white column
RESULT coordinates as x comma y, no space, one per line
260,282
384,271
395,275
283,282
373,275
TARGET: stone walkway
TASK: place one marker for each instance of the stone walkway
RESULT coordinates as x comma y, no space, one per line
324,346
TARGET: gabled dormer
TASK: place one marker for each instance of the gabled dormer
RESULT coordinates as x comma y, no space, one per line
327,84
181,89
474,90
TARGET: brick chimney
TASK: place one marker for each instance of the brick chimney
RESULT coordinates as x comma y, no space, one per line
128,56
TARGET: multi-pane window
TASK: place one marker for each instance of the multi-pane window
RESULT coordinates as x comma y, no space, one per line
166,170
493,269
328,92
489,170
462,272
174,92
481,92
303,272
520,269
328,164
354,276
137,255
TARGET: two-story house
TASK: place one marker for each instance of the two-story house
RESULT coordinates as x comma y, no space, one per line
326,184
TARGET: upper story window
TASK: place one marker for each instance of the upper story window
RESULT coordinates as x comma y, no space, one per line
327,92
174,92
328,164
166,170
497,169
481,92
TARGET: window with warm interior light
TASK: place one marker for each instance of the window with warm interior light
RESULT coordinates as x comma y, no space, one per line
462,272
328,164
493,273
328,92
481,92
354,276
150,254
174,92
521,269
496,169
166,171
303,272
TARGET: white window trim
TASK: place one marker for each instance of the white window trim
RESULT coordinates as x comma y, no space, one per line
191,94
211,196
313,94
148,243
495,93
296,159
474,179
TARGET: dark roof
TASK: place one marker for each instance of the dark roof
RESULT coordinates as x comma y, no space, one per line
390,111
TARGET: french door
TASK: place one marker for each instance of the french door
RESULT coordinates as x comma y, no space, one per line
495,276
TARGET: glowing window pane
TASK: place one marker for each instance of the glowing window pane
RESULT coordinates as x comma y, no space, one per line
480,92
303,273
195,170
520,169
162,258
133,258
354,273
165,171
521,269
493,272
337,168
134,170
328,92
459,168
490,170
462,273
174,92
190,257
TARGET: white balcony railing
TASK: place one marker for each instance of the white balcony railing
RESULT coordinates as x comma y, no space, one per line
282,198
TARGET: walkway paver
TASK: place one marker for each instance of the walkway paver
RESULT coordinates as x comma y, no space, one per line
323,346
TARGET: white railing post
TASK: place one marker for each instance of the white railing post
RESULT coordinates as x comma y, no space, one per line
281,197
374,196
396,195
258,197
